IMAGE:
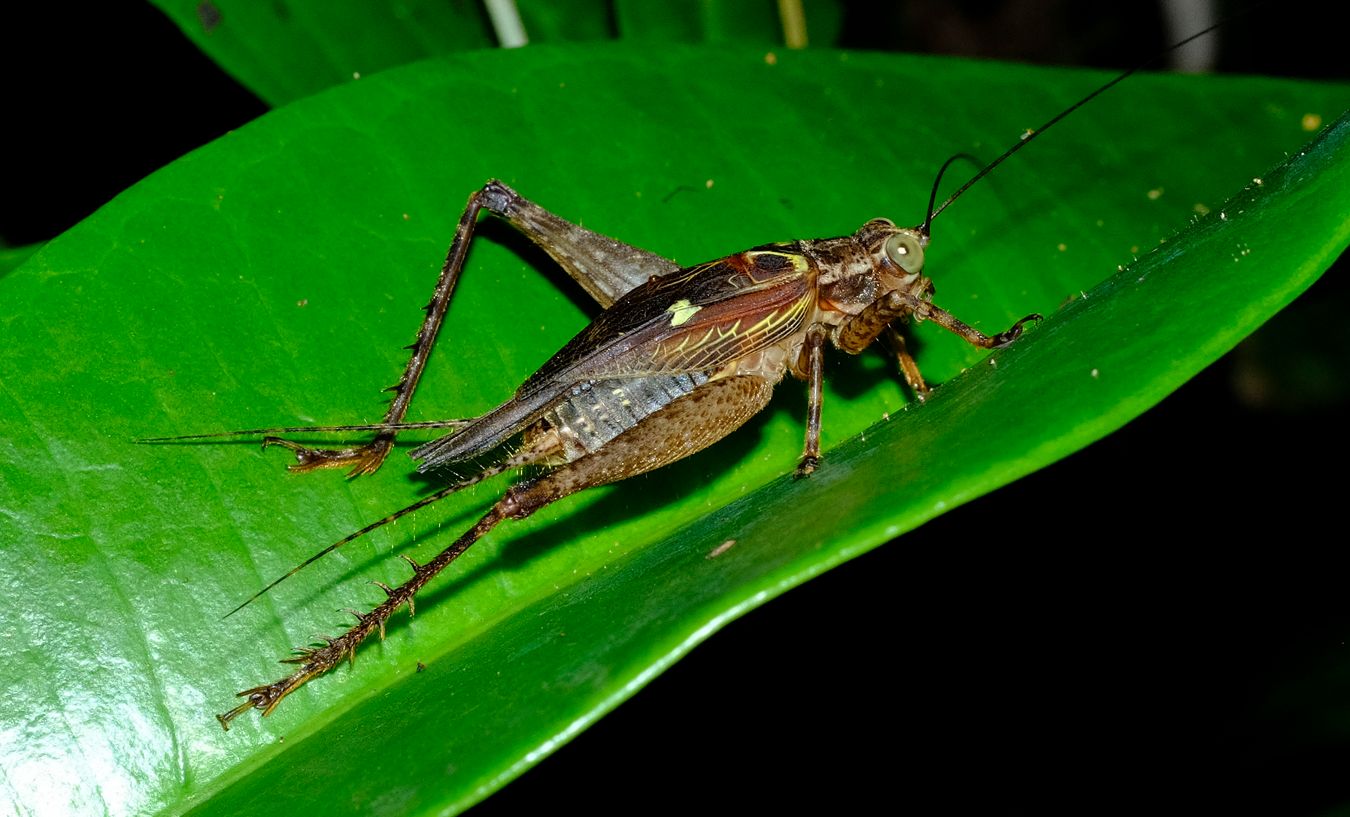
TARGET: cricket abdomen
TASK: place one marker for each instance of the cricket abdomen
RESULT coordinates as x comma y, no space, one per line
687,425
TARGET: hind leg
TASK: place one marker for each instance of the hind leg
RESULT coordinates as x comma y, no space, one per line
687,425
605,268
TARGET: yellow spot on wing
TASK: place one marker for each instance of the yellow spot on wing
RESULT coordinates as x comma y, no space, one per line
681,311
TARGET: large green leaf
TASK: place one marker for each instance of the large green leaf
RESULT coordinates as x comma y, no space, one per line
287,50
283,51
272,277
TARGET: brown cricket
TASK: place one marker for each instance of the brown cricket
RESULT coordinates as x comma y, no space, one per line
679,358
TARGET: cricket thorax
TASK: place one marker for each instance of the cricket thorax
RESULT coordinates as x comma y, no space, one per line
857,270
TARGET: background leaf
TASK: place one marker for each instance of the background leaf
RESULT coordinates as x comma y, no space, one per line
274,271
11,257
283,51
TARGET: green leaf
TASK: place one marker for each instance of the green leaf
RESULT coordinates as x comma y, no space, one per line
272,277
722,21
286,51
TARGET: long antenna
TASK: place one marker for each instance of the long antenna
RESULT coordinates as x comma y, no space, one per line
1026,140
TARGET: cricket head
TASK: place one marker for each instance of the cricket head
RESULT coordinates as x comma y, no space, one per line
896,256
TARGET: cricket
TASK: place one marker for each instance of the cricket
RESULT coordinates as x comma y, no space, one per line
679,358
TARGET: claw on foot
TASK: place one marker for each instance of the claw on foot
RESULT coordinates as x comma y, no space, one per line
1004,338
365,459
315,661
265,698
806,467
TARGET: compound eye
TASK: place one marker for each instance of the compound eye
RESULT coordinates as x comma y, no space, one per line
905,252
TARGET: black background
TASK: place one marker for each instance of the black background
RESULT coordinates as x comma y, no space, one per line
1191,658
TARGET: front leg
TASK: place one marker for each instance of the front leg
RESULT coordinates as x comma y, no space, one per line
859,331
878,318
